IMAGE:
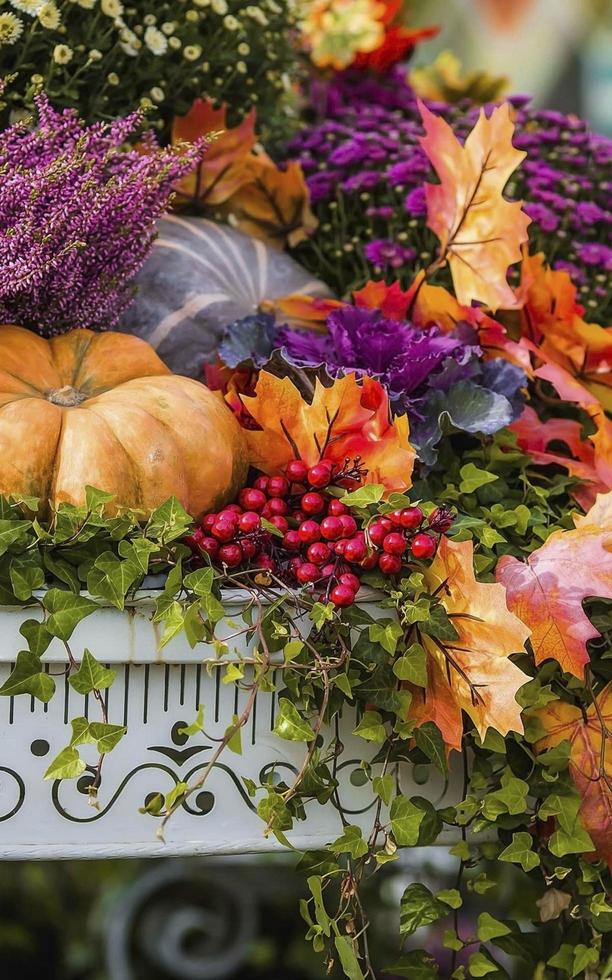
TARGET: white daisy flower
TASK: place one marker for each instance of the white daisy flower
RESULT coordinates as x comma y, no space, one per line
11,28
62,54
111,8
30,7
49,16
156,42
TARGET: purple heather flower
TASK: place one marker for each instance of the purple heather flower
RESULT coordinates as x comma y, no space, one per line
384,252
77,217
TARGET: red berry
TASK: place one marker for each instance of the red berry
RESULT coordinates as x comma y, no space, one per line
355,550
235,507
307,573
278,486
441,519
249,521
297,470
230,554
297,515
208,521
411,517
340,546
423,546
370,561
394,543
336,508
328,570
350,580
223,530
309,531
261,483
252,499
378,532
195,540
390,564
292,541
280,522
331,528
249,548
395,518
349,525
312,502
341,595
227,517
210,546
318,553
267,563
319,475
277,506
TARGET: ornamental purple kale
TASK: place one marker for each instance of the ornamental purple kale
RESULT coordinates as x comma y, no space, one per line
366,171
77,217
436,378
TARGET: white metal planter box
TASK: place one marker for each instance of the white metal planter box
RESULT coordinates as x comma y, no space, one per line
154,695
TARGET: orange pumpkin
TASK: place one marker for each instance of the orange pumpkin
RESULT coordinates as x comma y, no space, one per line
101,409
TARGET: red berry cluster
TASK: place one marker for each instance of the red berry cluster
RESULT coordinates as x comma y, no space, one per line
321,542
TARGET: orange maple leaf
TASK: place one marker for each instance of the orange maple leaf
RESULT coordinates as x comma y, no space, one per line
222,169
472,673
590,764
480,231
551,318
273,204
546,591
347,420
302,310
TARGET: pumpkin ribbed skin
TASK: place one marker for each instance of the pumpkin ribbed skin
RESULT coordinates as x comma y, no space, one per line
101,409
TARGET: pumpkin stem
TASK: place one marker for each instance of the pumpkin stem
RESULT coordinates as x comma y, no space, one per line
67,396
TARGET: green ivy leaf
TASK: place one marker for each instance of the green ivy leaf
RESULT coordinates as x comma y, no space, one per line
371,493
137,554
371,727
290,724
384,786
473,478
91,675
26,576
429,740
174,621
105,735
96,500
176,794
66,765
584,956
415,965
27,678
480,965
406,819
418,907
521,851
235,742
109,578
511,798
196,726
13,532
321,917
412,666
169,522
348,958
490,928
351,842
37,636
387,632
66,611
451,896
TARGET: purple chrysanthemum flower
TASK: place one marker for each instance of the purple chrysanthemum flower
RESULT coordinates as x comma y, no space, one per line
77,217
384,252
